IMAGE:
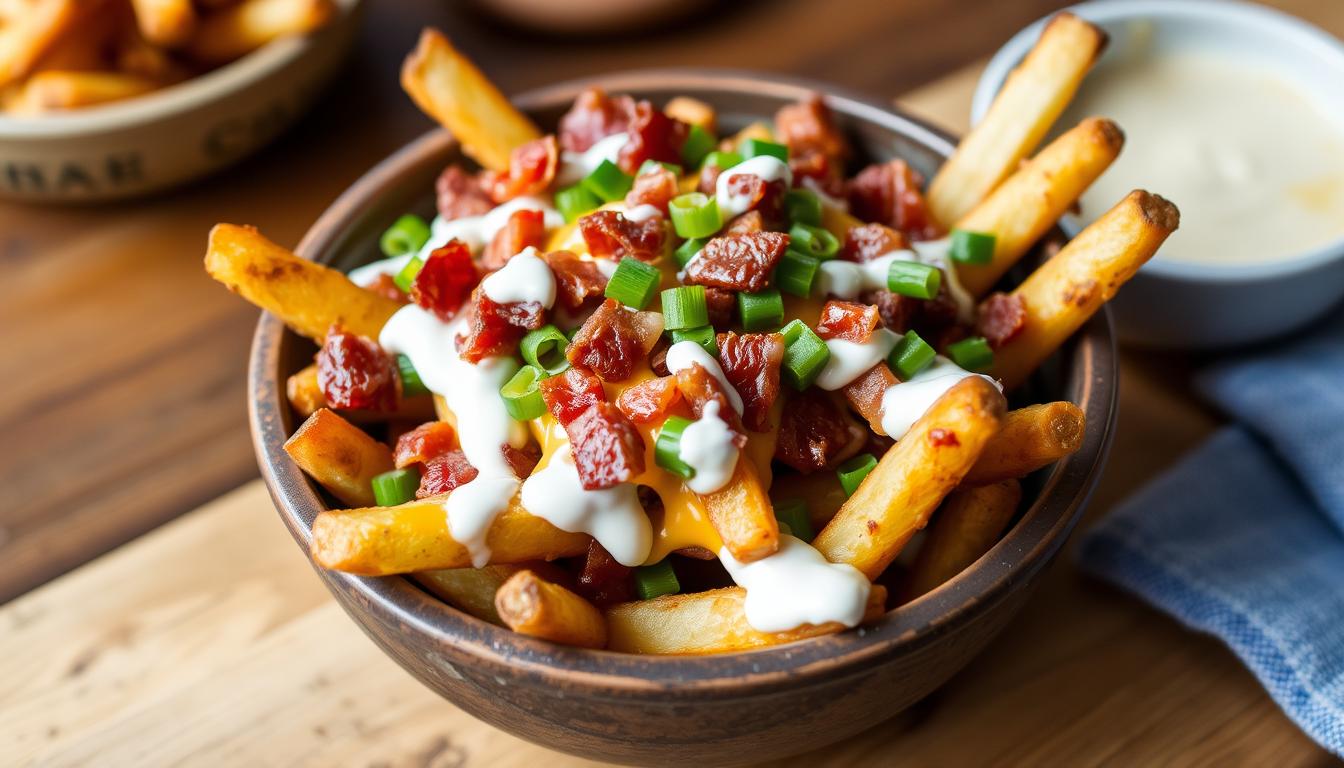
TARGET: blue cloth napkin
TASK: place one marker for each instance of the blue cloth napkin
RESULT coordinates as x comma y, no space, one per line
1244,537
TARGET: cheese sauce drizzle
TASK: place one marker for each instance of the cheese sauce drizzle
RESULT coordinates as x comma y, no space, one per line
797,586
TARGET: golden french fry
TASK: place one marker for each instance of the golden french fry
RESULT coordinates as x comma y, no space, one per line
965,527
743,516
1031,438
707,622
304,393
450,89
1032,98
340,456
473,589
1066,290
78,48
31,28
532,606
239,29
165,22
1028,203
692,111
376,541
821,491
898,495
55,90
308,297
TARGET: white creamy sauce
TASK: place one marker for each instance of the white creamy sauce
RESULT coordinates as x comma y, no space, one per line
707,447
797,586
850,360
524,278
613,515
768,167
904,403
483,425
574,166
847,279
643,212
1254,162
681,355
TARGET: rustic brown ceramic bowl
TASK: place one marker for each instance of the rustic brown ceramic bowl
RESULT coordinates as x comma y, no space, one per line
732,708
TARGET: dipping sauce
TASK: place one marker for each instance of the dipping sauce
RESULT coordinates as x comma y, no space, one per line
1255,164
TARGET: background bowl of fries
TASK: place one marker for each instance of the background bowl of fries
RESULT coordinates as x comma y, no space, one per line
727,708
109,101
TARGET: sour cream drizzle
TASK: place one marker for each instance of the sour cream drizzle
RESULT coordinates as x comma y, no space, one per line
797,586
681,355
524,278
904,403
849,360
613,516
574,166
847,279
768,167
707,447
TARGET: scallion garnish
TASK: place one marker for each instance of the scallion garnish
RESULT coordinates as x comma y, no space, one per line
656,580
573,202
653,165
395,487
633,283
522,396
545,349
406,277
910,356
757,147
722,160
803,206
411,385
705,336
805,355
407,234
793,513
796,272
667,449
608,182
699,143
852,472
813,241
684,307
973,354
695,214
761,311
687,250
970,247
913,279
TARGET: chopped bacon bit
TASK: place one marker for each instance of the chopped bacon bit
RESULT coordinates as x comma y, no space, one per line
649,400
354,372
531,168
576,280
653,136
949,335
594,117
459,194
446,280
522,460
826,173
607,448
524,229
937,314
496,329
890,193
751,221
869,241
865,394
941,437
445,472
658,360
897,311
722,306
814,433
751,364
424,443
569,394
699,387
386,287
709,178
613,340
740,262
610,235
766,196
603,581
656,188
1002,317
809,125
849,321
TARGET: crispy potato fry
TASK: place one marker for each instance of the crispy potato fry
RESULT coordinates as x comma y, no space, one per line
1028,203
55,90
693,111
706,622
1066,290
304,393
970,521
472,590
743,516
78,48
165,22
897,497
305,396
1031,438
450,89
340,456
1031,100
532,606
31,27
308,297
239,29
821,491
376,541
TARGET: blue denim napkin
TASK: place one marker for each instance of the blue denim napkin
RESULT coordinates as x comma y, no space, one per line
1244,537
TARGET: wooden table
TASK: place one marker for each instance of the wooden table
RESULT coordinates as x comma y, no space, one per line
209,638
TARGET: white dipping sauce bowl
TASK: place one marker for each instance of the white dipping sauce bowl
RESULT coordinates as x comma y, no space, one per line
1191,305
171,136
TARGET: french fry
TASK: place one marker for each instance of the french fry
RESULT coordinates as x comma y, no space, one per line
532,606
1032,98
1066,290
31,27
340,456
78,48
377,541
897,497
305,396
308,297
707,622
821,491
692,111
55,90
304,393
1028,203
168,23
743,516
239,29
473,589
965,527
450,89
1031,438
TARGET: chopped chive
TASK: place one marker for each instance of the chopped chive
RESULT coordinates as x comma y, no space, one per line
913,279
653,165
407,234
575,201
852,472
544,348
910,356
803,206
684,307
805,355
395,487
406,277
411,385
973,354
695,214
970,247
656,580
813,241
761,311
793,513
687,250
522,396
705,336
722,160
699,143
757,147
633,283
608,182
796,272
667,449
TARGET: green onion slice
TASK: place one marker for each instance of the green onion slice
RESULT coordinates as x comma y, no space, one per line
608,182
699,143
973,354
653,165
796,273
522,396
761,311
910,356
687,250
793,513
913,279
406,235
575,201
684,307
395,487
803,206
757,147
722,160
667,449
705,336
544,348
633,283
656,580
805,355
406,277
852,472
813,241
970,247
411,385
695,214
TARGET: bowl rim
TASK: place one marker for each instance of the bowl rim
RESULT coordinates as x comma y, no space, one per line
177,98
1262,20
1019,555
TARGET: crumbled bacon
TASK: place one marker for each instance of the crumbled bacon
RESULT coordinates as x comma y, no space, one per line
814,433
740,262
1002,317
649,400
603,581
751,221
576,280
594,117
765,196
459,194
808,125
709,178
865,394
751,364
722,305
424,443
610,235
936,315
652,136
532,166
569,394
656,187
354,372
521,460
849,321
826,173
446,280
897,311
869,241
384,285
445,472
496,329
607,448
613,340
699,387
524,229
890,193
